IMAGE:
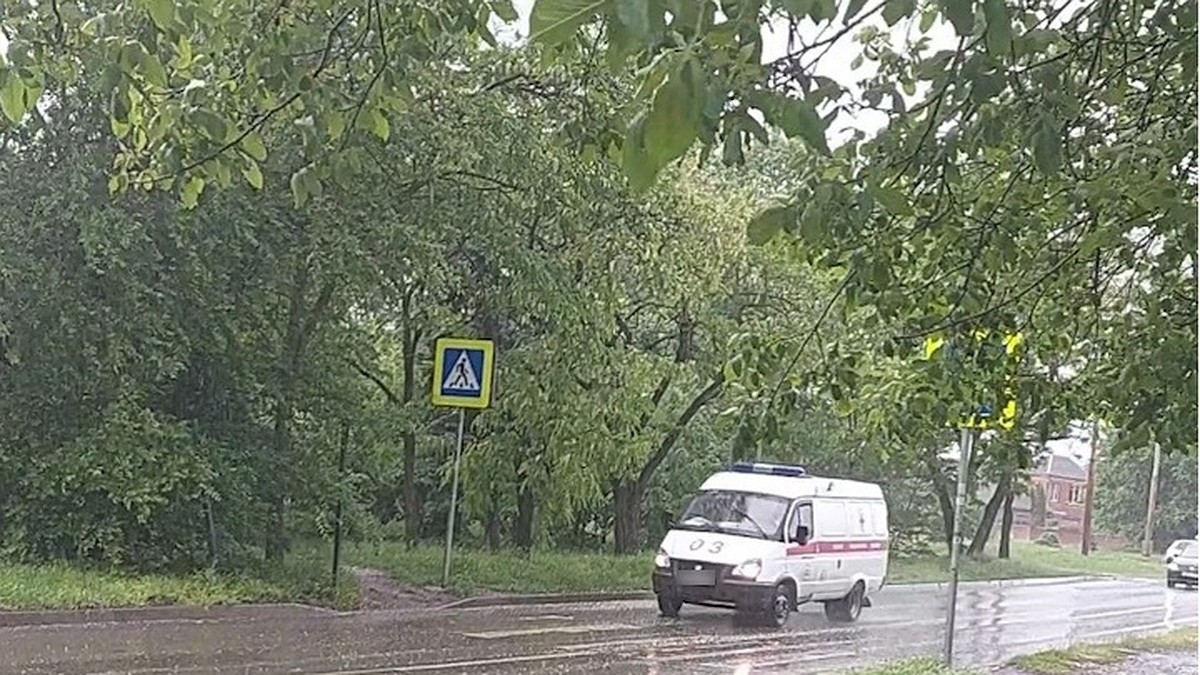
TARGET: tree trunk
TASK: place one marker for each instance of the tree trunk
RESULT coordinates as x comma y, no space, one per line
413,508
491,528
523,528
1006,523
627,517
941,489
984,531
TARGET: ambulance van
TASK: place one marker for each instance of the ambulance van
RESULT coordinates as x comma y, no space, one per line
765,538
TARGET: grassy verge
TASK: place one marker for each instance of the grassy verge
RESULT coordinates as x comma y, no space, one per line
1074,660
921,666
507,571
303,579
550,572
1082,658
1028,561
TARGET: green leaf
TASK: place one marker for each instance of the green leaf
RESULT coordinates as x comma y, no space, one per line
253,175
299,185
823,10
852,10
162,13
214,125
634,15
895,10
190,191
986,86
999,33
798,117
960,14
671,125
252,144
152,69
379,124
555,21
798,8
763,227
638,166
1047,147
731,151
893,200
12,98
505,10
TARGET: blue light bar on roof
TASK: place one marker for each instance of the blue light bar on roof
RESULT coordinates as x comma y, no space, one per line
769,469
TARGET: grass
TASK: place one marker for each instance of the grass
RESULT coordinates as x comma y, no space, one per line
549,572
921,666
1077,659
1028,561
304,579
507,571
1081,658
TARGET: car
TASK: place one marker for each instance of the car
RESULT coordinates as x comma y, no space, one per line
764,538
1182,564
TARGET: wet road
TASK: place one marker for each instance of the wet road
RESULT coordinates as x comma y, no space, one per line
995,624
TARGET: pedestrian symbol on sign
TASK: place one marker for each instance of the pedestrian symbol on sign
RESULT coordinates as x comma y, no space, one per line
462,375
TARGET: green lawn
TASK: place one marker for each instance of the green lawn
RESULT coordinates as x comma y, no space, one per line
549,572
1077,660
303,579
1083,658
1028,561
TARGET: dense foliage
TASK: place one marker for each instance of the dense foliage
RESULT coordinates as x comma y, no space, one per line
230,232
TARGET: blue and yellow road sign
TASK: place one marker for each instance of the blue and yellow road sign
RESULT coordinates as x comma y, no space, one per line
462,373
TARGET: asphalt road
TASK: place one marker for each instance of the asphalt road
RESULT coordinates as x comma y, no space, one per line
996,622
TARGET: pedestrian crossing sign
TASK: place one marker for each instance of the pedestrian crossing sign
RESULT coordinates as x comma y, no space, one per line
462,373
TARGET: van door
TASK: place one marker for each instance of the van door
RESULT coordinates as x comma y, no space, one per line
829,517
802,557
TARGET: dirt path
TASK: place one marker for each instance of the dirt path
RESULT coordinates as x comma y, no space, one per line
379,591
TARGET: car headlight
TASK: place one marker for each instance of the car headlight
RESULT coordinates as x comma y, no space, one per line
1173,566
748,570
662,561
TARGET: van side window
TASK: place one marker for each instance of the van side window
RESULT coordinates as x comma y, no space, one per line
803,515
832,514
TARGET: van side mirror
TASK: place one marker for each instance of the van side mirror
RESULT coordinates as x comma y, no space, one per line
801,534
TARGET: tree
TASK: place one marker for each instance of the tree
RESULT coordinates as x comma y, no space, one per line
1123,486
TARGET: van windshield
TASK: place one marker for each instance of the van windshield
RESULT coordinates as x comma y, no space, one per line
747,514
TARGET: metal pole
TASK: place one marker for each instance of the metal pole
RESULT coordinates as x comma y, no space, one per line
462,422
1089,498
1148,535
337,520
964,465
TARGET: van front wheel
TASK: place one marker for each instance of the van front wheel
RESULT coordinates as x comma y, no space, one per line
848,608
669,605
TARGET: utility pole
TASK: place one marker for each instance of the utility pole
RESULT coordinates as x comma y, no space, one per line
1090,499
1148,535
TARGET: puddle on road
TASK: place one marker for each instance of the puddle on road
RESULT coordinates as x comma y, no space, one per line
547,630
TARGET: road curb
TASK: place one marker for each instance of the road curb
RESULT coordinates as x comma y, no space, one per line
481,601
20,618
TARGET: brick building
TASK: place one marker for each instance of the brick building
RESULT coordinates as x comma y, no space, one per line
1055,502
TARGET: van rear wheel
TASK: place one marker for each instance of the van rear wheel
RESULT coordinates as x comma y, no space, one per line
847,609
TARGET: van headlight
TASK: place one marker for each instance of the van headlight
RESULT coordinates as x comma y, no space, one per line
661,560
748,570
1173,566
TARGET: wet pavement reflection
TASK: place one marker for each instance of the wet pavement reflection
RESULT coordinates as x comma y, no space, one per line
996,622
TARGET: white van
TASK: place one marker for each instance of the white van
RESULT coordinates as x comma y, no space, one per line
764,538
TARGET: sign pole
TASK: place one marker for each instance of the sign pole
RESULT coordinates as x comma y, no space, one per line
462,422
964,466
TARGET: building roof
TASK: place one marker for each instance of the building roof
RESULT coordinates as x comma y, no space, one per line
1061,466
